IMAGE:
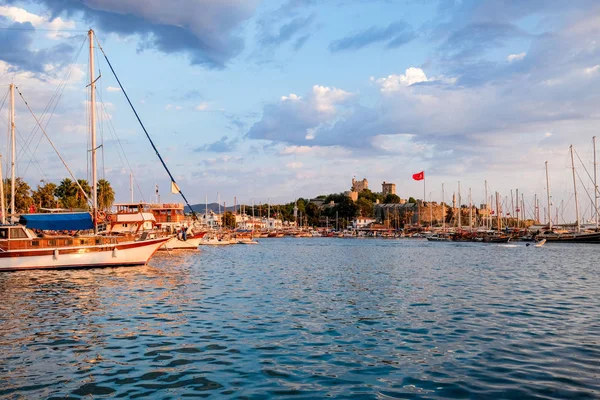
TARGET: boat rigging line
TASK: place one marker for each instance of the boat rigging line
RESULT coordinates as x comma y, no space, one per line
146,132
54,147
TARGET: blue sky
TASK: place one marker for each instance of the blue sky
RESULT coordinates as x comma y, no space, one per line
279,99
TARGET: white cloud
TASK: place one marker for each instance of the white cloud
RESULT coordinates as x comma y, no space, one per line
394,82
113,89
592,70
515,57
294,165
325,98
204,106
20,15
291,97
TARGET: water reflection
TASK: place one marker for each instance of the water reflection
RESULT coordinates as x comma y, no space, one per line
309,318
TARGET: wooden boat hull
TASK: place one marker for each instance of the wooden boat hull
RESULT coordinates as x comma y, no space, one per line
593,237
114,255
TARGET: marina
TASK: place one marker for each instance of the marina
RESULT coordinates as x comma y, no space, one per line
400,199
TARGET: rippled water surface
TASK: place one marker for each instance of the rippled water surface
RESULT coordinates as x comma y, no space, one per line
310,318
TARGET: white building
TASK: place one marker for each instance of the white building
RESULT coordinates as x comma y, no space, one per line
212,220
250,224
361,222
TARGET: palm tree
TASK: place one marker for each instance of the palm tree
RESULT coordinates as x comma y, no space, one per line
81,199
106,195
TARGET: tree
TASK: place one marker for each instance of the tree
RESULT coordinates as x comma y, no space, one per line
391,199
23,198
70,195
412,200
228,220
365,207
449,214
81,198
43,196
106,195
313,212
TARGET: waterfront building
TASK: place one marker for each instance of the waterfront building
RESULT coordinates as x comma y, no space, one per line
361,222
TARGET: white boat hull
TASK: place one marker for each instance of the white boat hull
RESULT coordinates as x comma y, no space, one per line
122,254
215,242
177,244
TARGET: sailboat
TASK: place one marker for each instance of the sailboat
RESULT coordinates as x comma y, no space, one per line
39,241
578,236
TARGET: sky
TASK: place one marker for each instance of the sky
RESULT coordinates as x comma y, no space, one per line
273,100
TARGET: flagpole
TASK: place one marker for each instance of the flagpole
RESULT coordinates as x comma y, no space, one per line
424,194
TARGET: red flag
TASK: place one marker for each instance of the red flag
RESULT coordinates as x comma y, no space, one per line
419,176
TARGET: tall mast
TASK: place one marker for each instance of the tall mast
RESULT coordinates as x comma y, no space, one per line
575,188
93,129
499,218
459,205
518,208
487,209
2,208
595,184
13,152
470,211
536,209
548,193
131,186
443,211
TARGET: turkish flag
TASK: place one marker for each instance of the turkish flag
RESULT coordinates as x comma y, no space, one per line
419,176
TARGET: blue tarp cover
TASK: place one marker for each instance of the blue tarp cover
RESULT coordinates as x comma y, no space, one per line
58,222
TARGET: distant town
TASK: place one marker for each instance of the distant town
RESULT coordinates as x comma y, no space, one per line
355,209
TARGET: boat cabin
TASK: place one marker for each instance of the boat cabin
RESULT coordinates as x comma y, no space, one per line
168,213
131,218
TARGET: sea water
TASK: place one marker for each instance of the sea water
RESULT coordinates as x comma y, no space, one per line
310,318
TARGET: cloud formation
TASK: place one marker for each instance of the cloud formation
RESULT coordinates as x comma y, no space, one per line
222,145
204,30
394,35
295,119
16,48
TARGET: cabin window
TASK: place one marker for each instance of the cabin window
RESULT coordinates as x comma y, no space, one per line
98,241
3,233
17,233
51,242
124,225
35,243
82,242
69,242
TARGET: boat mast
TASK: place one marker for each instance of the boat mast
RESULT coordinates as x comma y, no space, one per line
2,208
575,188
518,208
443,211
459,210
93,131
131,186
595,184
536,209
470,211
548,193
487,209
13,152
499,218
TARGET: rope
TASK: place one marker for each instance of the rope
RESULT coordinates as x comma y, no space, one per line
145,131
54,147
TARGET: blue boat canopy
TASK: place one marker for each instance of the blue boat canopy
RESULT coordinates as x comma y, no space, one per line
58,222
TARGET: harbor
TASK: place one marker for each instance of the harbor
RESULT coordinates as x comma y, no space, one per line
297,199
